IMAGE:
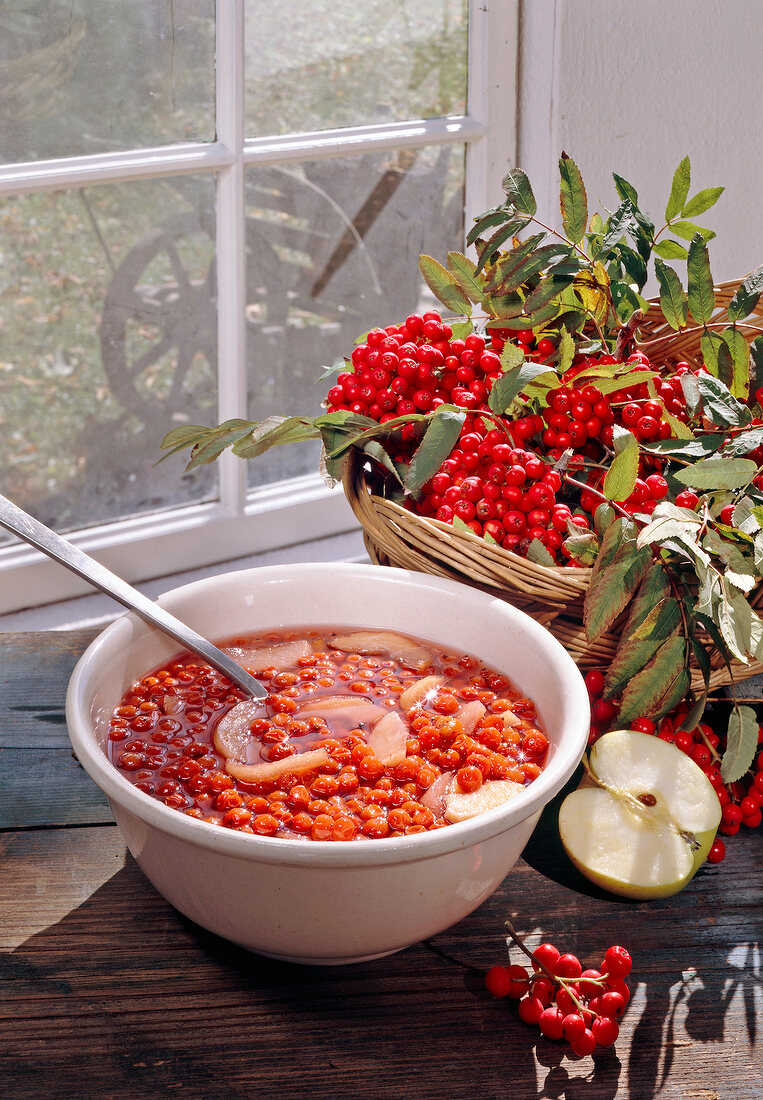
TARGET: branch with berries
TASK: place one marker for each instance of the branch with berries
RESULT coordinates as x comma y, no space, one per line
534,420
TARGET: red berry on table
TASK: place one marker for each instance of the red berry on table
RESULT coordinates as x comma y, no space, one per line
643,725
573,1027
567,966
551,1022
585,1045
545,347
605,1030
498,981
530,1009
717,852
617,962
546,955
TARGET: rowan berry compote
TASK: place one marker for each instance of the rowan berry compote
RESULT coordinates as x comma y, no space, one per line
364,734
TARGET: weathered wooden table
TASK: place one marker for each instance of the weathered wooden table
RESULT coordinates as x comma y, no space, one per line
108,993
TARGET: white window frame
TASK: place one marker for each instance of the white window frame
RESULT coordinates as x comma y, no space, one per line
187,537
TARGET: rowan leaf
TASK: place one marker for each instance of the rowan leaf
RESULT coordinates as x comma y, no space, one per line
659,685
653,618
702,201
747,296
463,271
620,478
573,200
444,286
719,404
511,383
517,189
700,290
679,190
438,441
717,473
673,300
670,250
617,573
741,744
739,352
687,230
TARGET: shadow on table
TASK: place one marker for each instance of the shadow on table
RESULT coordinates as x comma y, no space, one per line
124,998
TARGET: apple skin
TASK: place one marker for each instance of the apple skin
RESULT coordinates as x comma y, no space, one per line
639,853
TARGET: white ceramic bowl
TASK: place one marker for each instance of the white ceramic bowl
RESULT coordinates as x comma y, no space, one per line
320,901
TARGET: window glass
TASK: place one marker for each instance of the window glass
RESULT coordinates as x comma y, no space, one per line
333,63
107,339
332,250
95,76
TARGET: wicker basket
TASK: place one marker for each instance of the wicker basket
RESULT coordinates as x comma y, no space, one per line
554,596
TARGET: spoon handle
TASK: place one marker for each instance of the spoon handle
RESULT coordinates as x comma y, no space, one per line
29,529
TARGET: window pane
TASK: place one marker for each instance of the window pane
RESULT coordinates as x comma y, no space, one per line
107,340
332,250
81,77
333,63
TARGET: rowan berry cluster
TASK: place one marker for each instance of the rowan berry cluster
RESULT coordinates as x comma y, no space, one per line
562,999
741,802
501,478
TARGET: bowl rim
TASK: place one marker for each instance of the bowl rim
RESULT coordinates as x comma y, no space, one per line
123,795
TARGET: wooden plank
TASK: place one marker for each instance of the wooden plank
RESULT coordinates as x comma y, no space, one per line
48,787
121,992
35,667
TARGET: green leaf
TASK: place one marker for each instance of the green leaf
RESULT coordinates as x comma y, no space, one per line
517,188
497,216
625,190
669,521
511,357
462,269
546,290
660,685
188,435
679,190
741,744
653,617
716,355
461,329
743,442
538,553
687,230
565,350
670,250
673,300
702,201
717,473
618,224
511,383
439,440
747,296
620,478
582,546
700,281
493,244
719,404
444,286
573,200
616,575
511,261
739,352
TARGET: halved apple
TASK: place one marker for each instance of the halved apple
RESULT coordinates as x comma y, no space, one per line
642,824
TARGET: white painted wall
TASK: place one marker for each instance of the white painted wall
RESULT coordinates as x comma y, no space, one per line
634,85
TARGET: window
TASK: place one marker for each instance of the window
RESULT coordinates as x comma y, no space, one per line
200,207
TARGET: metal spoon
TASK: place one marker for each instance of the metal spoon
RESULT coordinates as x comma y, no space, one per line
20,523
